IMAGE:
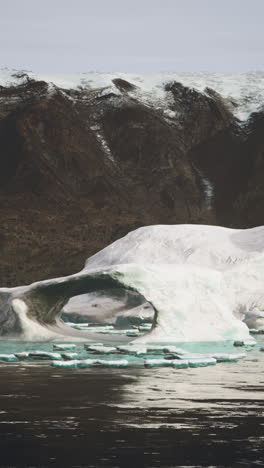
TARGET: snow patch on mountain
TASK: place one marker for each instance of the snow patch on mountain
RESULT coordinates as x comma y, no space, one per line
243,91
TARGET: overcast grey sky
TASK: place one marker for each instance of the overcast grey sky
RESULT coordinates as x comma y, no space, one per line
132,35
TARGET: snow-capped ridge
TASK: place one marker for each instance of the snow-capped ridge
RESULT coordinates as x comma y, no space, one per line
243,91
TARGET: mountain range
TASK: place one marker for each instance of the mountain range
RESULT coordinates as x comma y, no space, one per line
87,158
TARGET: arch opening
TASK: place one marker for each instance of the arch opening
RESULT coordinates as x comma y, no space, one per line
117,312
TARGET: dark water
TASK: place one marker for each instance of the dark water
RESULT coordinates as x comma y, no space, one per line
134,417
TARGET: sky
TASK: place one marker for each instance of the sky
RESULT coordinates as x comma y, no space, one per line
66,36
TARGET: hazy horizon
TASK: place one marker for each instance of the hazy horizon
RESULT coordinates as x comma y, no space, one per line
139,36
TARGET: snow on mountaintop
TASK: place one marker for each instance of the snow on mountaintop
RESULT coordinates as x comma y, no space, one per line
244,90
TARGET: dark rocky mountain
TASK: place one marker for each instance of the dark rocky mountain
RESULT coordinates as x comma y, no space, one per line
82,167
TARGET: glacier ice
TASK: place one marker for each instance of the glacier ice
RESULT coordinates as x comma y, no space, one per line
205,283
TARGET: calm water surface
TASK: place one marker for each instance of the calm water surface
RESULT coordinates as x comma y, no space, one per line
205,417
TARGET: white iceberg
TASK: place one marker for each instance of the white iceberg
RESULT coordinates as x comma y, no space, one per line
203,282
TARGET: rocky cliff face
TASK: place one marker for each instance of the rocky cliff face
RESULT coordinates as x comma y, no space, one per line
82,167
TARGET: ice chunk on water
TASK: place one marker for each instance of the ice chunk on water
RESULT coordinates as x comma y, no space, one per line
156,349
63,347
87,346
225,357
69,356
146,327
103,349
132,349
8,358
22,355
132,333
245,343
194,356
157,363
249,343
103,363
173,349
180,364
86,363
65,364
39,356
257,331
202,362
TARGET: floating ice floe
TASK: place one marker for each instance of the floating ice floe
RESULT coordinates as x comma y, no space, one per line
63,347
69,356
86,363
182,363
157,363
88,346
143,328
8,358
65,364
226,357
38,356
219,357
166,349
133,350
102,349
246,343
256,331
202,362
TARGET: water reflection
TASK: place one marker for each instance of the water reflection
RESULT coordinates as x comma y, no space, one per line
134,417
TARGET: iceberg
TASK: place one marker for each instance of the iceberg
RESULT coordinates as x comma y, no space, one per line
204,283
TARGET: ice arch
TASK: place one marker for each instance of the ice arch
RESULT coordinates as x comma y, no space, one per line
202,282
